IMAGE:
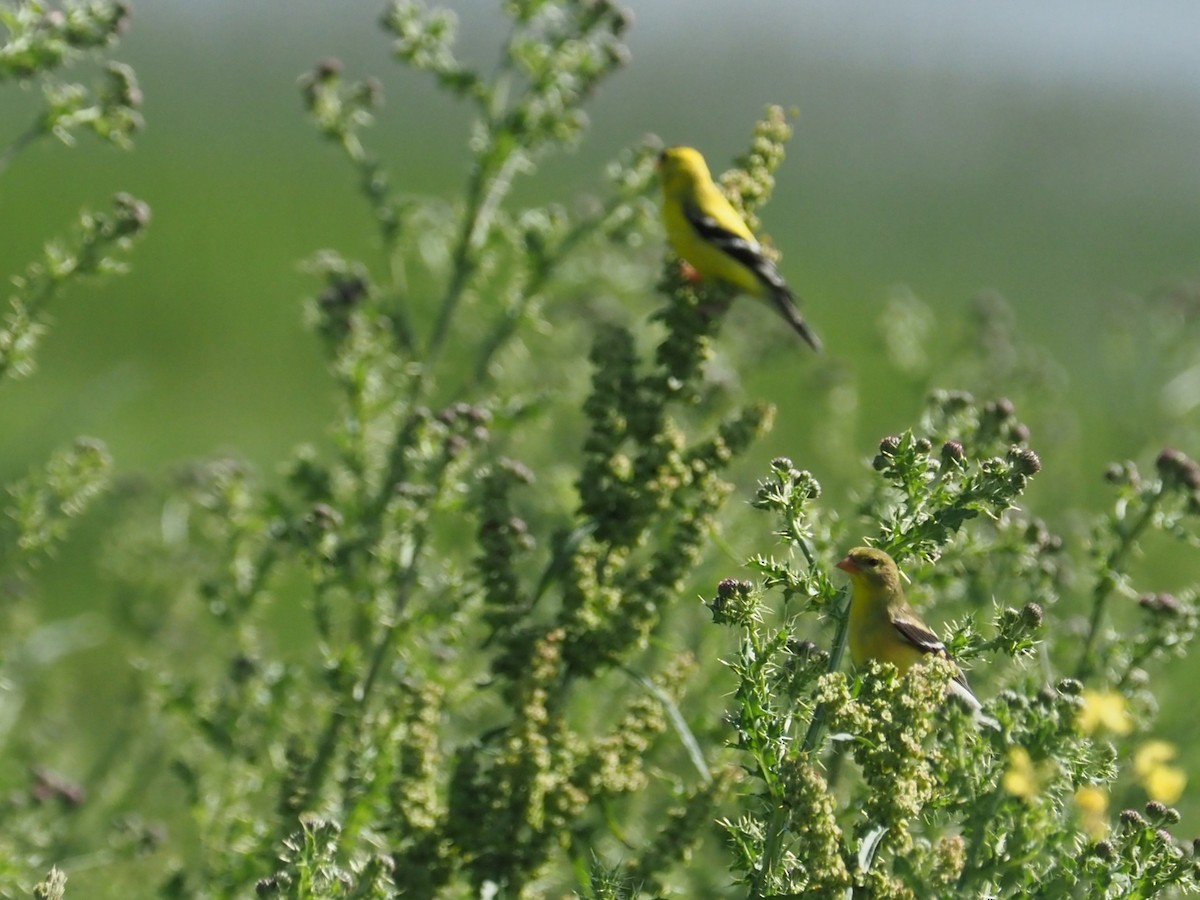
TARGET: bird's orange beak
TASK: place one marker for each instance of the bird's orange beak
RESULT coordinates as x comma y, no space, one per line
847,565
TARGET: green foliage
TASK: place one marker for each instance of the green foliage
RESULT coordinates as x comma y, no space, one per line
94,249
38,41
450,627
41,508
439,653
946,803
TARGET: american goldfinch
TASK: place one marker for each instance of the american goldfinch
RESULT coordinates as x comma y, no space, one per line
882,624
707,233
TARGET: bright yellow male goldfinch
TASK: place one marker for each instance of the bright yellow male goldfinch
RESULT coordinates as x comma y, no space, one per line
882,624
707,233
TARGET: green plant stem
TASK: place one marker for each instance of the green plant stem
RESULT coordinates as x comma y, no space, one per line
686,737
817,726
507,326
970,863
773,848
350,708
485,193
384,645
1107,582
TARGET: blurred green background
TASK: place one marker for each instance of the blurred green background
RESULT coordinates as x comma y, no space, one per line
1046,151
949,152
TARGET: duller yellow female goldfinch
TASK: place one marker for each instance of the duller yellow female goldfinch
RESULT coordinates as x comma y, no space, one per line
882,624
708,234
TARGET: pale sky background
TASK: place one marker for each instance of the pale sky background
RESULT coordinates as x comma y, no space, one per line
1101,44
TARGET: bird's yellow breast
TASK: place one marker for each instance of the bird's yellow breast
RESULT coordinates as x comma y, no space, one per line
873,636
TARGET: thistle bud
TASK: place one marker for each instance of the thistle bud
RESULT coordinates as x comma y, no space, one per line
1025,461
952,451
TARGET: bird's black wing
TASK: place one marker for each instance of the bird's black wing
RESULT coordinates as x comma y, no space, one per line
747,251
927,642
921,638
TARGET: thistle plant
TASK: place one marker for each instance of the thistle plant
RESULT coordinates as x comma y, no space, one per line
939,802
455,645
39,509
459,588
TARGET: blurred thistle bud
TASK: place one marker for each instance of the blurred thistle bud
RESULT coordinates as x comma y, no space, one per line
1166,604
807,485
1176,469
923,446
119,17
1018,433
1041,538
327,70
731,587
1014,699
953,452
998,420
887,452
1016,627
1131,819
132,215
791,488
1024,461
1105,850
1070,687
1036,533
1162,813
122,13
952,401
622,18
344,292
1000,410
49,785
735,603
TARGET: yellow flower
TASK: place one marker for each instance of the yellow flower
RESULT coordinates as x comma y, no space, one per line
1151,755
1092,802
1104,709
1022,778
1162,782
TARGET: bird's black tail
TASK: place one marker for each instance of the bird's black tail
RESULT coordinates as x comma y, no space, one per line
785,302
